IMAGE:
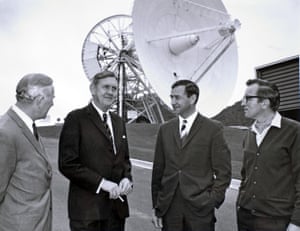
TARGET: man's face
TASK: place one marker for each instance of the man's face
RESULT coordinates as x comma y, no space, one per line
252,105
105,92
45,101
181,103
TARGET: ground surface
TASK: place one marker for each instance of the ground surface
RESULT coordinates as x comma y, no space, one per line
142,141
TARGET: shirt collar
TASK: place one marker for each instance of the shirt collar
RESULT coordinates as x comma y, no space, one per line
276,122
189,119
24,117
100,112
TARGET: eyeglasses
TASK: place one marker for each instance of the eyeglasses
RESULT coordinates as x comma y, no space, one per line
248,97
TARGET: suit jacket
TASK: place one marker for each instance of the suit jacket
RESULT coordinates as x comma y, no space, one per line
86,157
200,167
25,194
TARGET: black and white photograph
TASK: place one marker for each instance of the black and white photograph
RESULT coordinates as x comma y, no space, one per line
143,115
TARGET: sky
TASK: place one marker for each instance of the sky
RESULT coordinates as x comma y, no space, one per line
47,36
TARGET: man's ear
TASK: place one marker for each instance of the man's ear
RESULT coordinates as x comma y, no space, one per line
193,98
92,88
266,103
38,99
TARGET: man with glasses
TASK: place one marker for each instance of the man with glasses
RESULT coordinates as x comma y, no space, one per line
269,194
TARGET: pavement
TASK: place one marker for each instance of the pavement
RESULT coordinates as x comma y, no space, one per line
141,206
139,199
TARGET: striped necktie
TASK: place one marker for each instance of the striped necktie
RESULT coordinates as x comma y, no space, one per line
183,131
108,129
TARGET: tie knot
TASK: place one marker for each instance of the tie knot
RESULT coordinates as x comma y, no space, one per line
35,132
105,117
183,126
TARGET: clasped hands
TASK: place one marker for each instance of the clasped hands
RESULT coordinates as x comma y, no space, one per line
293,227
116,191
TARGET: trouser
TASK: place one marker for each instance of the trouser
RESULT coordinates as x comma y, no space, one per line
180,217
247,221
114,223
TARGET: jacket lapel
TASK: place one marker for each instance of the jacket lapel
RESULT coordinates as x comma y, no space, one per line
116,130
28,134
194,129
96,119
176,133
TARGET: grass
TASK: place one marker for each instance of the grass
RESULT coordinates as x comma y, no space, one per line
234,138
141,138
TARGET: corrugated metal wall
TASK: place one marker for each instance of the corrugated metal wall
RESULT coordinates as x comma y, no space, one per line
285,74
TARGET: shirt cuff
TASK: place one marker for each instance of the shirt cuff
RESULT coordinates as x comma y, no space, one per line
100,186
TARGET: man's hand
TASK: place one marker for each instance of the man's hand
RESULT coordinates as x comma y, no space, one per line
125,186
293,227
157,221
112,188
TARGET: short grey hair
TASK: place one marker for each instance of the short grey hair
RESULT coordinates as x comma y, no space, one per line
102,75
30,85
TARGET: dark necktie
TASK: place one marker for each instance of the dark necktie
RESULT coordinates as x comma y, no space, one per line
182,129
35,133
183,132
107,128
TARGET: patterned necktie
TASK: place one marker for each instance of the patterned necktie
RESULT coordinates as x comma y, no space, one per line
35,133
108,130
183,131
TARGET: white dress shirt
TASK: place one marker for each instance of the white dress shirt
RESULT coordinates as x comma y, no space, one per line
276,122
109,123
26,119
189,122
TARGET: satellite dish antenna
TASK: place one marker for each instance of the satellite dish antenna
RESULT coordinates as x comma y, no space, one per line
187,39
109,45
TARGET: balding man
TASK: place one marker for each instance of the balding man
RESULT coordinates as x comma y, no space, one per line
25,194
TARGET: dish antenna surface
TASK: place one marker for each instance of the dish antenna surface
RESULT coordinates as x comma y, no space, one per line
187,39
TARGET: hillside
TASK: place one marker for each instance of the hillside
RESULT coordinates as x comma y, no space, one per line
233,116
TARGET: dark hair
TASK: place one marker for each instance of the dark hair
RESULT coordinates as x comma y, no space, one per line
267,90
102,75
29,81
190,87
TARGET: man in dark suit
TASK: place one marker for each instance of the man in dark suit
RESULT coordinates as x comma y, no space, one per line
25,169
93,155
269,194
191,169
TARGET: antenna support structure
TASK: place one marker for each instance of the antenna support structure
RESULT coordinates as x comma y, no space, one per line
110,46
